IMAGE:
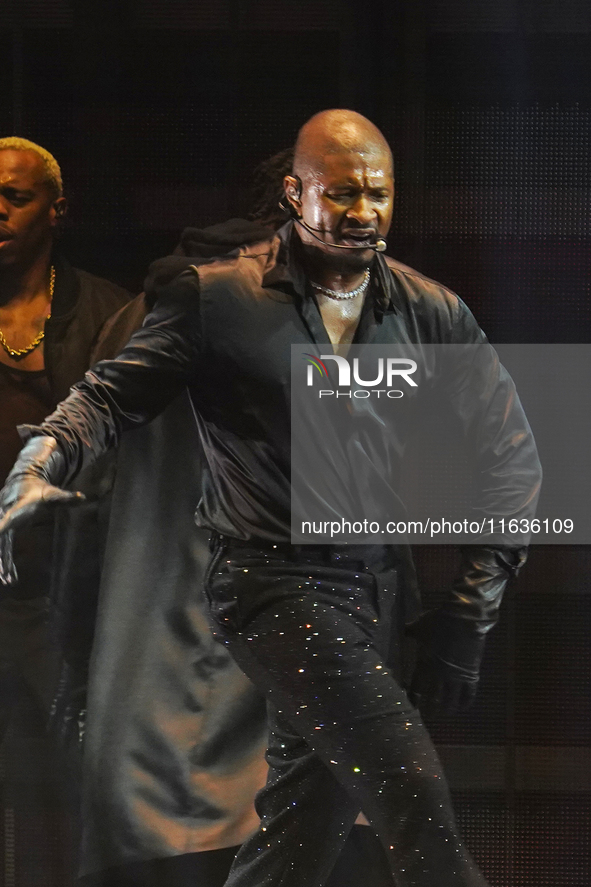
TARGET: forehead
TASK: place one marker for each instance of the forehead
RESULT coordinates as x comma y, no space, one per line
21,168
373,165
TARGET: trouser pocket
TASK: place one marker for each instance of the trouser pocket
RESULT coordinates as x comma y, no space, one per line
390,628
218,590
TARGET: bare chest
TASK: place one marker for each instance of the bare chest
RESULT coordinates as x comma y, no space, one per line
340,318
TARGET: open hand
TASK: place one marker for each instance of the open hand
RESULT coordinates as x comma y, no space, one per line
21,502
29,494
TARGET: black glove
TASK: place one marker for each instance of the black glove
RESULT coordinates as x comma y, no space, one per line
452,638
30,491
448,662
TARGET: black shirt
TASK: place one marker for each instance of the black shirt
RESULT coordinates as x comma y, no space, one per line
225,329
80,306
25,397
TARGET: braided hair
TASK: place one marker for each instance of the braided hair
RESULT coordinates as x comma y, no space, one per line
267,189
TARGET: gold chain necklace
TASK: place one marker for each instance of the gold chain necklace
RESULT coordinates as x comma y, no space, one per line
19,353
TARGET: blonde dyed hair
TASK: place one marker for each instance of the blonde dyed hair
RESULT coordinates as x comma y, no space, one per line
53,173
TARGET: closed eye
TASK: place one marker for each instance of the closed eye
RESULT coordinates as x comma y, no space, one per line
341,196
17,198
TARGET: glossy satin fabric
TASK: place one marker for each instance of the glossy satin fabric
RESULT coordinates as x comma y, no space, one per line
176,734
226,329
310,626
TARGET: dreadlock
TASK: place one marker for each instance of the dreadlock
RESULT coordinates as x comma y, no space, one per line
267,188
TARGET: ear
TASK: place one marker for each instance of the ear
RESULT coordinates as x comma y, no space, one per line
292,187
59,209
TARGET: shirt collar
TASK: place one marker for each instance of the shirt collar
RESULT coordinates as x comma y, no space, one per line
285,272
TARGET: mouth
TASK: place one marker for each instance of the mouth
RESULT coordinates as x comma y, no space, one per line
362,238
5,236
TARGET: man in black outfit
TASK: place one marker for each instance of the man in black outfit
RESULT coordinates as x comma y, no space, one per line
50,314
306,622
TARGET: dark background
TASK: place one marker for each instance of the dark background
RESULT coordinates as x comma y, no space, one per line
158,112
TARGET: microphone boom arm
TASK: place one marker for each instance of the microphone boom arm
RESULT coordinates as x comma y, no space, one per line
379,246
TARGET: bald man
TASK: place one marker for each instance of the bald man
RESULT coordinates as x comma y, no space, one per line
309,624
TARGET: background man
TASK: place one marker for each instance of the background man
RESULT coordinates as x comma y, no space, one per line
248,311
50,314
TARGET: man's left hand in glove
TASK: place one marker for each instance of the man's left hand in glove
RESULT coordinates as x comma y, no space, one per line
451,638
448,662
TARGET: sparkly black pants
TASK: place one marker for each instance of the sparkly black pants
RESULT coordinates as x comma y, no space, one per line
310,626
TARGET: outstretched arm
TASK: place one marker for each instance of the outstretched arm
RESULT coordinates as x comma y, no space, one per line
152,369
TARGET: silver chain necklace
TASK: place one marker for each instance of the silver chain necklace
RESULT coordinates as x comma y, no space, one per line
334,294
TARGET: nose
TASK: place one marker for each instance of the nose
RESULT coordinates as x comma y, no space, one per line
362,211
3,207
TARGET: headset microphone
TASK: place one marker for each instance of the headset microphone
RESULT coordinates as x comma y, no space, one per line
379,246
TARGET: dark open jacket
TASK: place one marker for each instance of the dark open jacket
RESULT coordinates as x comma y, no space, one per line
81,305
175,733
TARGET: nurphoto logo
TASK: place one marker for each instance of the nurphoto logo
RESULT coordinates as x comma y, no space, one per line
387,371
